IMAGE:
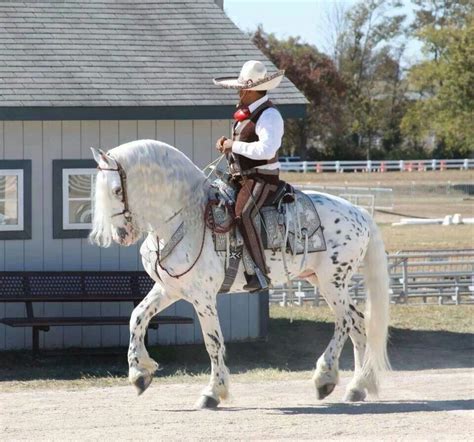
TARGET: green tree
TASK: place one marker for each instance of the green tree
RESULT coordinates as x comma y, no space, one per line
316,76
368,55
444,81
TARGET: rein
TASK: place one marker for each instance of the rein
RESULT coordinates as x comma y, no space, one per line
123,185
208,223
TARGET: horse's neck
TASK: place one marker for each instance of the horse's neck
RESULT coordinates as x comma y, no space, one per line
165,206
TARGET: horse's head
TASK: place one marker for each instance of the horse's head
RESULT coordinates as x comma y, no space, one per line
112,218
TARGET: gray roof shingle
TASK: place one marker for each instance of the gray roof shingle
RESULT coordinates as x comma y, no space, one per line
122,53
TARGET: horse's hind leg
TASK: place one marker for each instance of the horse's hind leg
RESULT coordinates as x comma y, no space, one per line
356,390
218,387
326,375
141,366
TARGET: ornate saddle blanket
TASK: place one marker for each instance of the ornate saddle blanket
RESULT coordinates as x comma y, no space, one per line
294,226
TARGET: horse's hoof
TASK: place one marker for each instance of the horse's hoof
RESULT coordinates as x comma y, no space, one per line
325,390
142,383
354,396
206,402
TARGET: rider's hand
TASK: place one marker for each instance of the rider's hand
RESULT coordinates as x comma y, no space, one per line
227,146
219,143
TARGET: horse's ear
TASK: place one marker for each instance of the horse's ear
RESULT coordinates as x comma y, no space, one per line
97,156
101,156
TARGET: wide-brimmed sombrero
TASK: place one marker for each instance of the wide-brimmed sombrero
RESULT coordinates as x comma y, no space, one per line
253,76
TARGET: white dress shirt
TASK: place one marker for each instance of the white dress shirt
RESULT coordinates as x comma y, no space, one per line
269,129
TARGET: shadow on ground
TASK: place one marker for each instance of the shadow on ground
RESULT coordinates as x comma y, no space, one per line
290,347
360,408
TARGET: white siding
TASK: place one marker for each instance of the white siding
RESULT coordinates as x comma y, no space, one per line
45,141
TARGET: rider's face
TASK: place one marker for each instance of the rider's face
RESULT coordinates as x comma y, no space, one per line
243,97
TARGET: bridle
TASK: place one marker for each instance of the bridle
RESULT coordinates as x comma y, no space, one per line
127,214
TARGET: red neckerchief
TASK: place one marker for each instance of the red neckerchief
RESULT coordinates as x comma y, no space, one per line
242,114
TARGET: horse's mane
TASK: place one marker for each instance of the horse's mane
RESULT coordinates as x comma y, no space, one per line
153,169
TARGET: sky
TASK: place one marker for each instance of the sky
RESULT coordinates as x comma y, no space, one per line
304,18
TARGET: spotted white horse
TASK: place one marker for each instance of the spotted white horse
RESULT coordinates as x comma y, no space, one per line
149,187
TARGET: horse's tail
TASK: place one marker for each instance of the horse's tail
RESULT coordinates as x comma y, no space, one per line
377,311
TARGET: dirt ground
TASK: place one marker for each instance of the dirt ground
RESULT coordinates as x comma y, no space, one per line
421,405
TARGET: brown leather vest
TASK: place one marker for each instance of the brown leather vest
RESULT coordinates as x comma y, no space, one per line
245,131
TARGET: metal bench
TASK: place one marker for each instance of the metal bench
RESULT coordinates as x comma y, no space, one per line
33,287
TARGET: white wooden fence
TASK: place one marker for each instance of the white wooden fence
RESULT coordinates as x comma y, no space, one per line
376,166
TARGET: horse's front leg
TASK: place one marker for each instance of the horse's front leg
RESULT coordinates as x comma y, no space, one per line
141,366
218,387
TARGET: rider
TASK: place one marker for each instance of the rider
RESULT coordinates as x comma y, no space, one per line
252,155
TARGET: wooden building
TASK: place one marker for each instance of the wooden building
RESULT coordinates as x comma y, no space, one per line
75,74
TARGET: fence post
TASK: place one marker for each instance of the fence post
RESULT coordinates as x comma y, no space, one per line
433,164
405,279
457,297
316,296
305,166
337,166
466,164
369,166
401,165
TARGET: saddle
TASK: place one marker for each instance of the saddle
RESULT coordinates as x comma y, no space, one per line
288,222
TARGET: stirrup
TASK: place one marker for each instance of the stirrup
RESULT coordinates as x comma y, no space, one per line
261,279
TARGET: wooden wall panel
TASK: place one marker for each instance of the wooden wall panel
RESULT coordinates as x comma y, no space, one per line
72,247
223,308
53,255
14,249
254,316
2,255
165,131
202,142
33,149
239,311
184,137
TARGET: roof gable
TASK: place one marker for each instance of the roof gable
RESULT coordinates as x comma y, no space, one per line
103,53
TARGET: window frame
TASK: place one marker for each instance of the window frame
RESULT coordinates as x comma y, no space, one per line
23,167
60,208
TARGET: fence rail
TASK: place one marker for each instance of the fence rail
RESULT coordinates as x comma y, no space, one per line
446,275
377,166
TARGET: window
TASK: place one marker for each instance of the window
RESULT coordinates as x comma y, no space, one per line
73,185
15,199
77,198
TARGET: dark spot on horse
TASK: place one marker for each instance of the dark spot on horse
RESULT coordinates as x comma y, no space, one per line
139,320
338,232
344,322
215,340
210,278
352,307
336,220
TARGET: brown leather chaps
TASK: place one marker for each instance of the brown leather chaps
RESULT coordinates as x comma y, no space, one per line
255,190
